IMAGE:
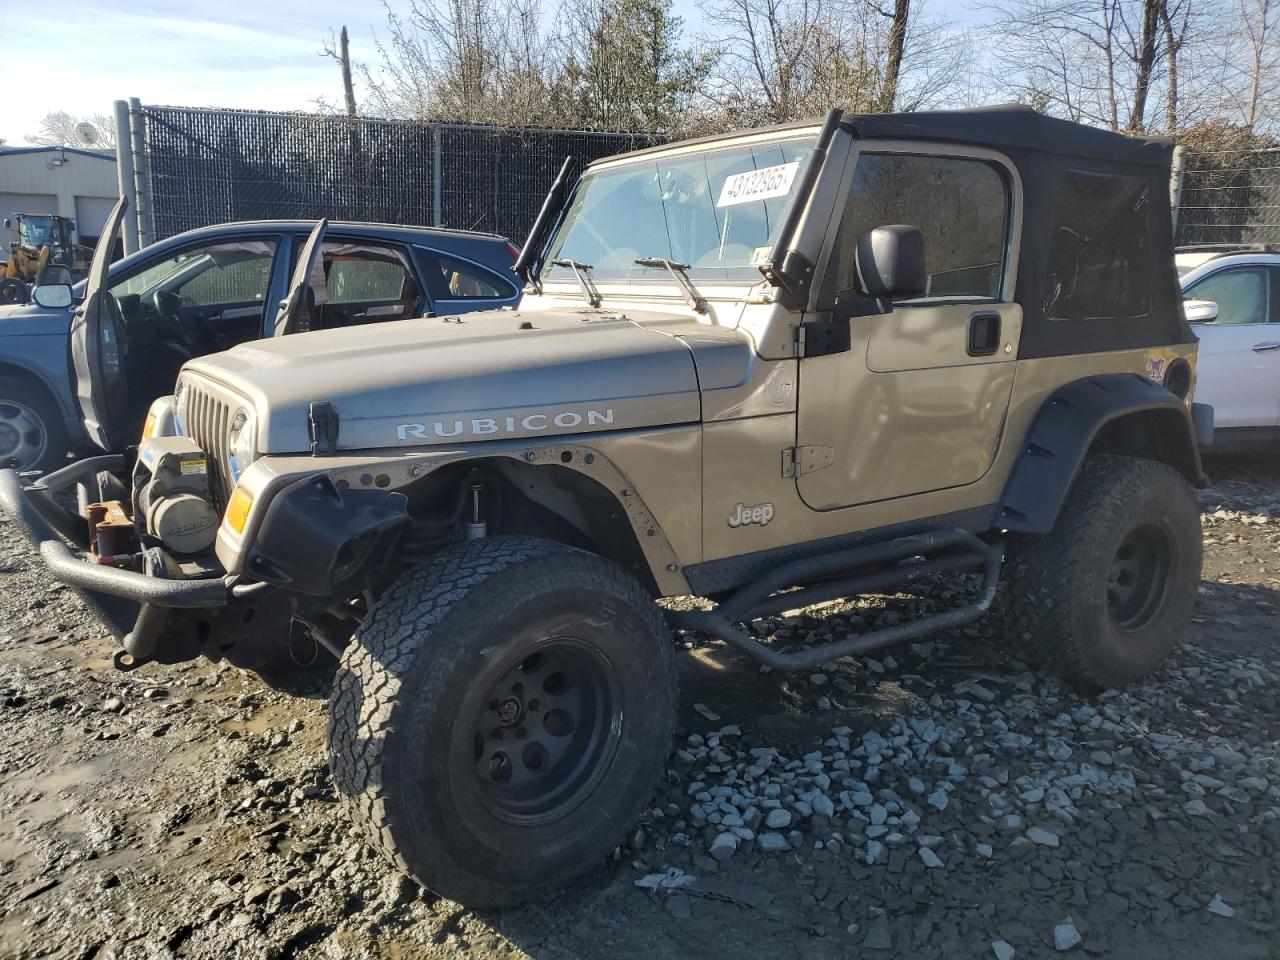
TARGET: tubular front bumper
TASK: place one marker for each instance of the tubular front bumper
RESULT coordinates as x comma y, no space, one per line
121,598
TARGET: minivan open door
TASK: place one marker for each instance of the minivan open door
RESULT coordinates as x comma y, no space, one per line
97,347
296,299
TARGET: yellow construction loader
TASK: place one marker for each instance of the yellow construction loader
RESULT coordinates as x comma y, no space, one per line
44,252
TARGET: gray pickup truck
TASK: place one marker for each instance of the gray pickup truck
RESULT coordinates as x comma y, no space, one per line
209,289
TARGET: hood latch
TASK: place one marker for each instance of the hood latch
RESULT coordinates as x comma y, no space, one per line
322,426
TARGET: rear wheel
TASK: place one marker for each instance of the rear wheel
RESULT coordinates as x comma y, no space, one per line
503,716
1105,596
32,433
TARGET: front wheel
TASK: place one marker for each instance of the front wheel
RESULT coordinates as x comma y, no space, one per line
33,435
1105,596
503,716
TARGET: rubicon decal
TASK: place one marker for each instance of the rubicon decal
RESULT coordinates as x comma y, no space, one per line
448,427
742,515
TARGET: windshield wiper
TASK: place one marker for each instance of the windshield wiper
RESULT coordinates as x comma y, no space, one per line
679,271
583,272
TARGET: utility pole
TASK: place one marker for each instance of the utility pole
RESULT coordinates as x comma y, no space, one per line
344,60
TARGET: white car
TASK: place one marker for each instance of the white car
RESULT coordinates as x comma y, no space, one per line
1232,298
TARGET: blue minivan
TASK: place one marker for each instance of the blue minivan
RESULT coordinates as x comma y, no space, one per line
209,289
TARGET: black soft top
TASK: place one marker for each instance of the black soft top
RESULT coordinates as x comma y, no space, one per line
1095,268
1015,126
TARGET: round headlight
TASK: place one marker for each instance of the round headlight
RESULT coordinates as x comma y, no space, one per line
180,408
240,443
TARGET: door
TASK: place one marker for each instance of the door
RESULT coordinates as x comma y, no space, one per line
299,302
98,348
185,303
1238,369
365,282
91,217
918,401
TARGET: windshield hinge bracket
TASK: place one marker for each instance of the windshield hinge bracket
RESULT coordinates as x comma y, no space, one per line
322,427
797,461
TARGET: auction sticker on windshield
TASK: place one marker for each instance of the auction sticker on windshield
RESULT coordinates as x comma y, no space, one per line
759,184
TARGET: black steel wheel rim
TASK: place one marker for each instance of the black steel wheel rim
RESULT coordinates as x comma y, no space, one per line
1140,576
545,732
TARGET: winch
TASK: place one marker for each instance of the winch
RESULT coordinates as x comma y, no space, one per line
172,502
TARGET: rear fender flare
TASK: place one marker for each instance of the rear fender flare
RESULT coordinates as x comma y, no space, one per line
1120,413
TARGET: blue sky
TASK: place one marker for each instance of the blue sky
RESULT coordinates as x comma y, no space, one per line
225,53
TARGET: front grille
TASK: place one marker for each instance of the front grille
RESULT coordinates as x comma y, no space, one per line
209,419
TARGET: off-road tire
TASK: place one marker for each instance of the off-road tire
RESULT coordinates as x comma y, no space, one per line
1060,591
18,395
406,753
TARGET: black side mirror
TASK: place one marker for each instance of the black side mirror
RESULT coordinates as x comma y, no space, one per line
891,262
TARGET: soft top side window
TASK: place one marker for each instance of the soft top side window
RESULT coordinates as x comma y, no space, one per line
961,205
1099,253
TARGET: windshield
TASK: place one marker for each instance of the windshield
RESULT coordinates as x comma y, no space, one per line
719,210
37,231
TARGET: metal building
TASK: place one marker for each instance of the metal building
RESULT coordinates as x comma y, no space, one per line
68,181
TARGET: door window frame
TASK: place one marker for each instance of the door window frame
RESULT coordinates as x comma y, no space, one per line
924,148
405,251
1270,274
480,268
145,264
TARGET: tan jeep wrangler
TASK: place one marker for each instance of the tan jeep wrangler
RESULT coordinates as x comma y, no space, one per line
767,369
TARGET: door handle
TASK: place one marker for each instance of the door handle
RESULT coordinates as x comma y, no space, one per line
1266,345
984,334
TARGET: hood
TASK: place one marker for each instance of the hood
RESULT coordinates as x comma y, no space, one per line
22,319
482,376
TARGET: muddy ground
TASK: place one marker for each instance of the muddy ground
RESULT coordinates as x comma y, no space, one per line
943,800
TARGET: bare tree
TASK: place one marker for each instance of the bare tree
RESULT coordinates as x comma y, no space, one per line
470,61
340,50
1260,26
898,19
60,129
781,59
1098,62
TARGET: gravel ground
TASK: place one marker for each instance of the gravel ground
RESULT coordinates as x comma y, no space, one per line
941,800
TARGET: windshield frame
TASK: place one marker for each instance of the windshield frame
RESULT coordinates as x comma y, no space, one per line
806,134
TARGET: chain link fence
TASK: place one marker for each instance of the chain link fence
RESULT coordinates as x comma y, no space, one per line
1231,196
212,166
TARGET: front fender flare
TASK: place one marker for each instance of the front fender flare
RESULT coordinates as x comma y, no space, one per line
1069,425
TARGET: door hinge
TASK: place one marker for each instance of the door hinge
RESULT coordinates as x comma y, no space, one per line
322,426
822,337
797,461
